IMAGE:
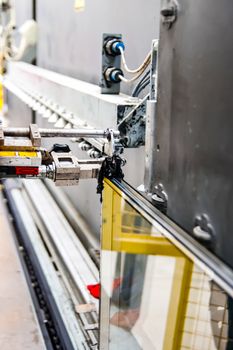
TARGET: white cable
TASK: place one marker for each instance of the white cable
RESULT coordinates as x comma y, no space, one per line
127,81
140,68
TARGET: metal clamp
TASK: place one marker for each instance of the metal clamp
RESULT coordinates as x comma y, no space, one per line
203,231
169,12
160,198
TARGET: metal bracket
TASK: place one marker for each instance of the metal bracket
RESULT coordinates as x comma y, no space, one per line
67,169
169,12
203,231
34,135
109,61
160,198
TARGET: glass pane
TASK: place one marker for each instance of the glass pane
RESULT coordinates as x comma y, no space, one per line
153,296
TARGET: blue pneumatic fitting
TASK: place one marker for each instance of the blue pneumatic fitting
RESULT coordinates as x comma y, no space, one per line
117,46
113,74
112,47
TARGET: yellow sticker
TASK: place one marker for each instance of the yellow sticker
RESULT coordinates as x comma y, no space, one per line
7,154
79,5
27,154
18,154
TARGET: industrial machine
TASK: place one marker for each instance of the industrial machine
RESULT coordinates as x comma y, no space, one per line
147,264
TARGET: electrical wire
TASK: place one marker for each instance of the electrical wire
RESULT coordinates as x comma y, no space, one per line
145,77
142,87
142,67
127,81
138,71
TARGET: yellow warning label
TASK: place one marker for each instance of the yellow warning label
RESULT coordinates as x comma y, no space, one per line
18,154
79,5
8,154
27,154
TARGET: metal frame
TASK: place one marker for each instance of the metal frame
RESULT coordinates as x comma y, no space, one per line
178,244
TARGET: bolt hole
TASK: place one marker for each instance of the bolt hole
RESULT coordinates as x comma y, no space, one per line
158,148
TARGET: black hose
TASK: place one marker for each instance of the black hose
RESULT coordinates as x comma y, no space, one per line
142,87
145,76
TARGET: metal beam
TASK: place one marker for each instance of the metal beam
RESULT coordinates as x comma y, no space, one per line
81,98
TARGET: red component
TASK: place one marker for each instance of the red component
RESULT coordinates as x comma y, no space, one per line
94,289
26,170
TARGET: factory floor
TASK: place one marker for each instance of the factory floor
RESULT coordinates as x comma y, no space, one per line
19,329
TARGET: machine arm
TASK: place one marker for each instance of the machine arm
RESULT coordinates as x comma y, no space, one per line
21,154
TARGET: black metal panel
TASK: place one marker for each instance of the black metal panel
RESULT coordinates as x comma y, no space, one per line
194,158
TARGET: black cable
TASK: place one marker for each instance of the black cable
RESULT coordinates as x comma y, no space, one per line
142,87
145,77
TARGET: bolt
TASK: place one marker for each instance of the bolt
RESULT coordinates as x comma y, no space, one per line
168,12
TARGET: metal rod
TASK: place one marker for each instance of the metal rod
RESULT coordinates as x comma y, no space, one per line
92,133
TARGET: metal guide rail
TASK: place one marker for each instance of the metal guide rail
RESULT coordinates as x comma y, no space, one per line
160,288
59,267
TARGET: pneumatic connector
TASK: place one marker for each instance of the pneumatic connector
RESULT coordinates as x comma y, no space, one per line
113,46
113,74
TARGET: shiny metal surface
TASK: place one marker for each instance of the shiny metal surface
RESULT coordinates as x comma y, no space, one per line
24,132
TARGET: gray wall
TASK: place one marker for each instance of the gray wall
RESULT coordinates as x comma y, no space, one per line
70,41
23,11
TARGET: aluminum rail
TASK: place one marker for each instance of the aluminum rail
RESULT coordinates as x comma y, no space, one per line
72,264
57,297
77,222
80,133
73,261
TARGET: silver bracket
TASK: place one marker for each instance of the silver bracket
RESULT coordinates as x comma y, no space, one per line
67,169
34,135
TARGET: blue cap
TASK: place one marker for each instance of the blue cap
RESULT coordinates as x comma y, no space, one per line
116,46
